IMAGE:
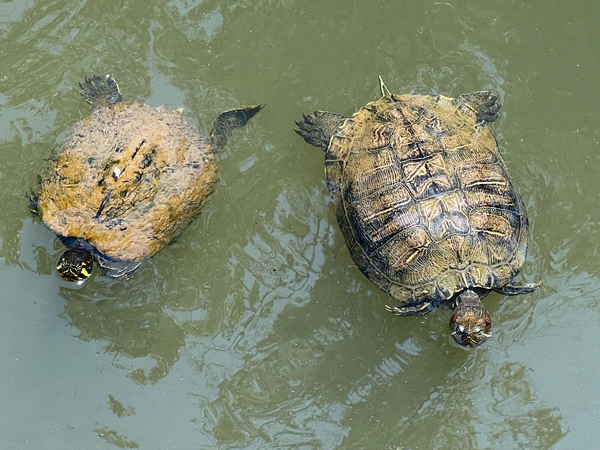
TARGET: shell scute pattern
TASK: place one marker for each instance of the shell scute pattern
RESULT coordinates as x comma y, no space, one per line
424,200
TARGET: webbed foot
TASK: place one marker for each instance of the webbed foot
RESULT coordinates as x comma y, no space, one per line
100,91
230,120
33,203
317,128
484,103
516,288
417,310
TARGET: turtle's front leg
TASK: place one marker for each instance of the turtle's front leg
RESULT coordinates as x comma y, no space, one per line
417,310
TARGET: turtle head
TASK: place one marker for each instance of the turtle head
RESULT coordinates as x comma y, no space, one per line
75,264
471,323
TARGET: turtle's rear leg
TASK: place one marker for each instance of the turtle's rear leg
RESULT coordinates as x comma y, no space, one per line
230,120
101,91
484,103
318,127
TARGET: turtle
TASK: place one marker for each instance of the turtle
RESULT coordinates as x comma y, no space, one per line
126,180
425,202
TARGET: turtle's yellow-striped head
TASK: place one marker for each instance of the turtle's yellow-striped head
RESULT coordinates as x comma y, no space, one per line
76,264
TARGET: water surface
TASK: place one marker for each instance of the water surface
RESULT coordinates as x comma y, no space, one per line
255,330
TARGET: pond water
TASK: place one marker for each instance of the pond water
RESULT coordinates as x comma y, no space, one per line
254,329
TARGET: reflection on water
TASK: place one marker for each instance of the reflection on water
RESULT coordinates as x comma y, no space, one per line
131,330
271,272
116,439
488,412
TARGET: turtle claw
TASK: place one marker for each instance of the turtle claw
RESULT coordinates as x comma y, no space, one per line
417,310
516,288
33,203
100,91
317,128
228,121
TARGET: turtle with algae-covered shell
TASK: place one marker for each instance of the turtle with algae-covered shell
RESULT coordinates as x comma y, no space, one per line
127,180
425,202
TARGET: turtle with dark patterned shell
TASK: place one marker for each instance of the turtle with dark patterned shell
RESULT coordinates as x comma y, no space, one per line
425,202
127,180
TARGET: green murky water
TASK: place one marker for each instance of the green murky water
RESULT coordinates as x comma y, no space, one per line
255,330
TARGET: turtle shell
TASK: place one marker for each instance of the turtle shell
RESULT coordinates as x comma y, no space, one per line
127,179
424,199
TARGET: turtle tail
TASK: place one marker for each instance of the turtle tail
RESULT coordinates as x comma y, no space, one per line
101,91
230,120
385,92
